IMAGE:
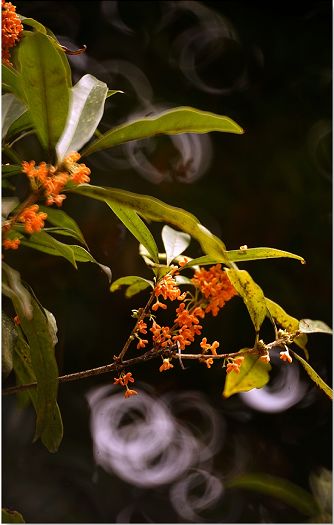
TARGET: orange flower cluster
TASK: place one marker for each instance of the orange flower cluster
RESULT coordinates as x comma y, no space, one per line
11,244
11,30
188,321
52,180
32,219
166,365
168,288
123,380
233,365
215,286
161,335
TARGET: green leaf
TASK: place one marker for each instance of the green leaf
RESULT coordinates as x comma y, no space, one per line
251,294
314,376
12,285
253,374
8,170
81,255
85,113
180,280
8,338
153,209
45,243
23,123
45,86
135,284
8,205
11,81
279,488
175,242
12,109
11,516
63,220
40,340
253,254
136,226
287,322
33,23
307,326
170,122
112,92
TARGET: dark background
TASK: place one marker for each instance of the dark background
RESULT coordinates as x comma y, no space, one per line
270,70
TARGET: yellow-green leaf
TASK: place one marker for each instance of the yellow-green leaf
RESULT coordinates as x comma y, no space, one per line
253,374
314,376
308,326
11,516
287,322
253,254
170,122
135,284
251,294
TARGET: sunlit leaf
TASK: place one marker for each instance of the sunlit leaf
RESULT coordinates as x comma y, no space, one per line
45,86
12,109
136,226
253,254
62,219
279,488
86,109
8,339
314,376
251,294
33,23
153,209
175,242
288,323
253,374
112,92
11,516
170,122
308,326
180,280
134,283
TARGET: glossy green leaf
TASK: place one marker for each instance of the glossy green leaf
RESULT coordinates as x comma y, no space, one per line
251,294
134,283
12,285
86,109
45,86
288,323
313,375
11,516
62,219
23,123
40,341
136,226
8,339
45,243
279,488
308,326
11,81
170,122
12,109
153,209
175,242
180,280
253,374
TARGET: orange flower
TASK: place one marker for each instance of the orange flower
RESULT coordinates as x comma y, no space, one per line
17,320
215,286
80,174
157,305
127,378
168,288
33,221
166,365
233,365
206,346
285,356
141,327
142,343
11,244
161,335
128,392
209,362
265,358
11,30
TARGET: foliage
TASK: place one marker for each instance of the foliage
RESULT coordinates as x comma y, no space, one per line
39,99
